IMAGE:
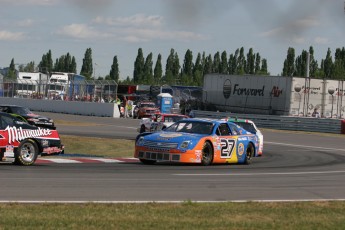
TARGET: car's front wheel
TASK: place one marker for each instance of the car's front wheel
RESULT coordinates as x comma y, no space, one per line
207,154
27,153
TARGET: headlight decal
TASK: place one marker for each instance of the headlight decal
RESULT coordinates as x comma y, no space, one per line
140,141
184,144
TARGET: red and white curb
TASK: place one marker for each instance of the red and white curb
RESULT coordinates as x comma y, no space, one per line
76,160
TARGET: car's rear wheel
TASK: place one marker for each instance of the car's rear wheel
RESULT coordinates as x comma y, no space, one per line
27,153
147,162
249,154
207,154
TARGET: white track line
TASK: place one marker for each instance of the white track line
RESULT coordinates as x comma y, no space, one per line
105,160
60,160
304,146
160,201
257,174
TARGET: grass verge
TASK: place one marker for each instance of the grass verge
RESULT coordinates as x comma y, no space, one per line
187,215
106,147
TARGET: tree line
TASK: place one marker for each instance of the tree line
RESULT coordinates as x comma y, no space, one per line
190,72
296,66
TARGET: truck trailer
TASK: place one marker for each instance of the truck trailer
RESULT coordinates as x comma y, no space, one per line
274,95
62,85
31,84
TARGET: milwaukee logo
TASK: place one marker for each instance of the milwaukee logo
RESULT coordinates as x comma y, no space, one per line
15,134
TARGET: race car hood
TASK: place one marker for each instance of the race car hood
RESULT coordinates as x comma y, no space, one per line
174,137
32,115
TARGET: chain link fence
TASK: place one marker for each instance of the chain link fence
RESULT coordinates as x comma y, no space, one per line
80,90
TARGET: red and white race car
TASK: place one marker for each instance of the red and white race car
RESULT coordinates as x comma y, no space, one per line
21,143
159,121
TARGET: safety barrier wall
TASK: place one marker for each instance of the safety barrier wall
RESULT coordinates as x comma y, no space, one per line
111,110
69,107
282,122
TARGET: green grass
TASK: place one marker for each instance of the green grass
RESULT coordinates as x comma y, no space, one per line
187,215
106,147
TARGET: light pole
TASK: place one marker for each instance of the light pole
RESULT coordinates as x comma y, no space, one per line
298,90
94,72
331,91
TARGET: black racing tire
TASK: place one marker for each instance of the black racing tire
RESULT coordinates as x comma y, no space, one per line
27,153
207,154
142,129
249,154
147,162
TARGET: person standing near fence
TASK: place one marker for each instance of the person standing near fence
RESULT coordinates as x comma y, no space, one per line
125,106
316,113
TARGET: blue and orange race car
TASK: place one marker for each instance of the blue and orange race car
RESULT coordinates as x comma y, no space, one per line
194,140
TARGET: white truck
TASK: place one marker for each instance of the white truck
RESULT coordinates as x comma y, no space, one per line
64,84
31,84
57,87
275,95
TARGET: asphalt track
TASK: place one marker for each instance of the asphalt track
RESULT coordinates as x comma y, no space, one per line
295,166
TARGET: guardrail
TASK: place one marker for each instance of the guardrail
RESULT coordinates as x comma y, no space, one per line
310,124
69,107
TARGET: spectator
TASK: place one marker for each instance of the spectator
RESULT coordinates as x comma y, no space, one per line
191,114
316,113
125,106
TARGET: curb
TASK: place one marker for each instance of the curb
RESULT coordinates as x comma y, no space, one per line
77,160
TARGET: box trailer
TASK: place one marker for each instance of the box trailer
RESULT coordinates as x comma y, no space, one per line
274,95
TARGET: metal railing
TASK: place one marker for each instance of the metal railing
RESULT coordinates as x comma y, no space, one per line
310,124
81,90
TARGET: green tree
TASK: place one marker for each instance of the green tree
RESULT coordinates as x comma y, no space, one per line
208,65
177,67
223,67
30,67
232,64
139,67
148,72
264,67
216,63
172,68
187,69
313,66
301,64
241,62
87,67
73,66
289,63
64,64
198,71
257,63
328,64
114,70
250,62
158,70
46,64
12,70
339,66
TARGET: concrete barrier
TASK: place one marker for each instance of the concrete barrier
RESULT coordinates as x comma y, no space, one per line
69,107
310,124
